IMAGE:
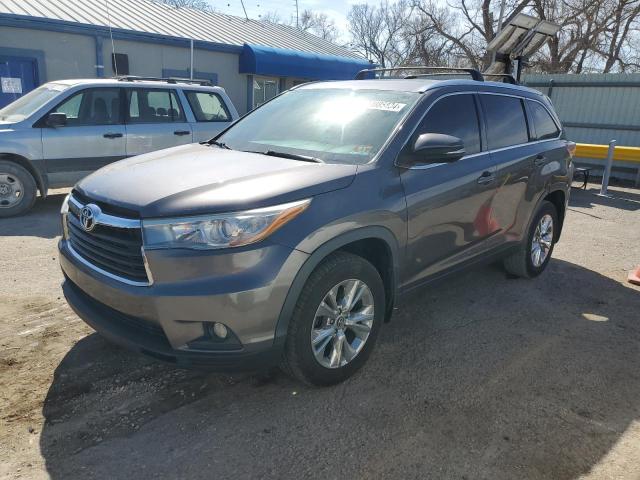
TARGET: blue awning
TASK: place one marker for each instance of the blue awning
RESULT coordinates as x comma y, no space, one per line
280,62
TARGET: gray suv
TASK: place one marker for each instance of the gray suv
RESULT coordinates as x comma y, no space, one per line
289,238
62,131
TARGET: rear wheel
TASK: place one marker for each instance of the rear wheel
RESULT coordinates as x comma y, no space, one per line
336,320
534,254
17,189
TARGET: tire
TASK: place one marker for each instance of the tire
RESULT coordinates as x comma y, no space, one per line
521,263
13,179
338,272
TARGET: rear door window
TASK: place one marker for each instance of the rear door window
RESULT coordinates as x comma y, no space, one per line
147,105
505,119
207,107
544,124
454,115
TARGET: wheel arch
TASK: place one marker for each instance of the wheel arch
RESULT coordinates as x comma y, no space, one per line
367,242
41,180
558,198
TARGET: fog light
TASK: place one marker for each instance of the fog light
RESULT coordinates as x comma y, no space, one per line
220,330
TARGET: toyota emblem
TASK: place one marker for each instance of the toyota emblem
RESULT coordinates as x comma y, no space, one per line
88,216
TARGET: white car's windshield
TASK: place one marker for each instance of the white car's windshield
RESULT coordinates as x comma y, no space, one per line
331,125
29,103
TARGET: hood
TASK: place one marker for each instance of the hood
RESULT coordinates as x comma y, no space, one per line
195,179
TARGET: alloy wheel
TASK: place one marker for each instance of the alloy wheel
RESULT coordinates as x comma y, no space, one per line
342,323
542,240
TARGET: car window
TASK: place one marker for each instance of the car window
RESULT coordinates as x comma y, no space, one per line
93,106
153,106
454,115
32,101
506,121
335,125
543,122
207,107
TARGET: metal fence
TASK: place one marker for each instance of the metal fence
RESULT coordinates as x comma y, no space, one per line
596,108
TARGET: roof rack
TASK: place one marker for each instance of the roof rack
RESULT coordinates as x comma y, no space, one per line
475,74
506,77
173,80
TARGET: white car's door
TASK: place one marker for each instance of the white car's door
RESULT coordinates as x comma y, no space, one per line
93,136
155,120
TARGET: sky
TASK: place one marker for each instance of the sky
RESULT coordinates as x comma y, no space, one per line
335,9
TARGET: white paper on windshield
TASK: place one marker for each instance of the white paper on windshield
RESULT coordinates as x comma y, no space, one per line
386,106
11,84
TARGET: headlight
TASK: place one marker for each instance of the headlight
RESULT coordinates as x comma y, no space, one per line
220,231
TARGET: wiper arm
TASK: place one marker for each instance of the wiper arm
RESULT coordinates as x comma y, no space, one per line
220,144
293,156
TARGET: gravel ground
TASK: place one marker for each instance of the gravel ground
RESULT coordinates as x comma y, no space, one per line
480,377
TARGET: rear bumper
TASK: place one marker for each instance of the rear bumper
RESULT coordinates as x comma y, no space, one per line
171,319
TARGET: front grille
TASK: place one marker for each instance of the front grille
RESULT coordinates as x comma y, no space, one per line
114,249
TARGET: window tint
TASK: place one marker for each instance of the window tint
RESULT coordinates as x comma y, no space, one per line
454,115
506,122
208,107
543,122
96,106
153,106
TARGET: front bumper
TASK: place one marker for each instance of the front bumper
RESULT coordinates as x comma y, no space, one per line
245,290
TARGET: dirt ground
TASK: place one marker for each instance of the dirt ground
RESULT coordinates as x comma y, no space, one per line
480,377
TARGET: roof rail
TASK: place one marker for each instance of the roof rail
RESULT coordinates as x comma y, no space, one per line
475,74
506,78
172,80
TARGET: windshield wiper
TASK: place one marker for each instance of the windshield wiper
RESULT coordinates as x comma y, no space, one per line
292,156
220,144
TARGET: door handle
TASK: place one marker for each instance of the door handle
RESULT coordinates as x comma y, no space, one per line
486,177
182,132
540,160
112,135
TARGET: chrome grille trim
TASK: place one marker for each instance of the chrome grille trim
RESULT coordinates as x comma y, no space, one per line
109,221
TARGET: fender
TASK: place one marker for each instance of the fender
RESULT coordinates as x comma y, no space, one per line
320,254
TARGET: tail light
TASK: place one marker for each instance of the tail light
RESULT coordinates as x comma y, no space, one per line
571,149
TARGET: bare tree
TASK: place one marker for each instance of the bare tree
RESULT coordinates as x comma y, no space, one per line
381,33
195,4
594,34
318,24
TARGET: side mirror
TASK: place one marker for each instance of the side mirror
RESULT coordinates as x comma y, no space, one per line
434,148
55,120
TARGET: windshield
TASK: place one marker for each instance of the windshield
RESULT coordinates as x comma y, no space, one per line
332,125
29,103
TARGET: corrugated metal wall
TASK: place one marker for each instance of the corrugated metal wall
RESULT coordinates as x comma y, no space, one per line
597,108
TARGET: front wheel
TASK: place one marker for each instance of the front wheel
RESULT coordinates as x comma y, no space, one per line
535,252
336,320
18,189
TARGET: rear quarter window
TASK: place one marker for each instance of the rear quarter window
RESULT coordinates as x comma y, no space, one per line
207,106
505,119
543,123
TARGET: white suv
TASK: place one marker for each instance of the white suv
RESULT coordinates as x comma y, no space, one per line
63,130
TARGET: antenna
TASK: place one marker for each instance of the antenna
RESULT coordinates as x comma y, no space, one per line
297,15
245,10
113,47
